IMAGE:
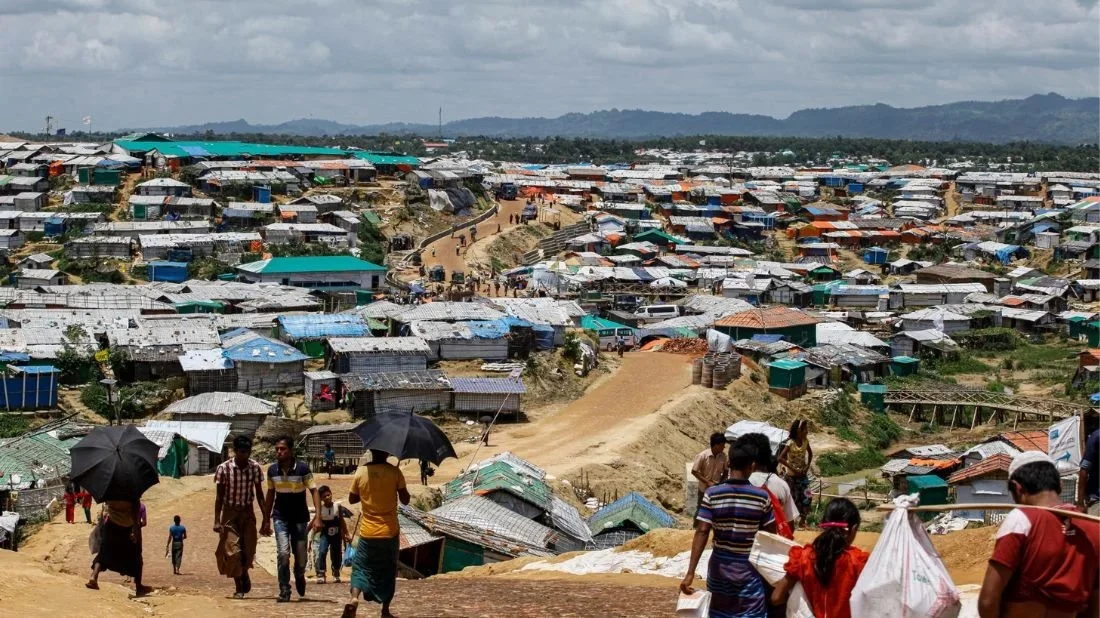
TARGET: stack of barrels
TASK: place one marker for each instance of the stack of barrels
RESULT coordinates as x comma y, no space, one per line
716,369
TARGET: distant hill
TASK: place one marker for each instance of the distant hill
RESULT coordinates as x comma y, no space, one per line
1049,118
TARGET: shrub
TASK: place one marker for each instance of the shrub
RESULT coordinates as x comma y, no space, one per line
846,462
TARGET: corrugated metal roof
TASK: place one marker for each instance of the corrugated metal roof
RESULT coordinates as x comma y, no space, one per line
632,508
994,463
450,312
772,317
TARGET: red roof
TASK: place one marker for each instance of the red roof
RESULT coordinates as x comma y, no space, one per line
1034,440
995,463
771,317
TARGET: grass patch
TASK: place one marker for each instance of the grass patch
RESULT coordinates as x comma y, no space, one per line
963,364
834,464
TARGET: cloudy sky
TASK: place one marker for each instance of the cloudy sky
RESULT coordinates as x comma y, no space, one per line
131,63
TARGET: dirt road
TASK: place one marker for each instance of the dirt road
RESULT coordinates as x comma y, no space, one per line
612,414
442,252
46,577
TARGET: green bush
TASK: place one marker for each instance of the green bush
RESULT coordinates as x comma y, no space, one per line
882,431
12,425
846,462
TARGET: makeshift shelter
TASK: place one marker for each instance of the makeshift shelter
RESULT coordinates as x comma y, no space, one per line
984,482
487,395
341,436
931,489
208,371
627,518
263,365
205,442
308,332
405,392
873,396
320,390
902,366
244,413
787,378
377,354
797,327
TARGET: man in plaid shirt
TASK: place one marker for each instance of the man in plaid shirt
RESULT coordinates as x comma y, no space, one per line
239,481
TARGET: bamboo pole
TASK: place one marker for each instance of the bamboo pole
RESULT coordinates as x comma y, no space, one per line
979,506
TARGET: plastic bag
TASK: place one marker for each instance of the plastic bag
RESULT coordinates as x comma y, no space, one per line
904,576
798,606
769,555
695,605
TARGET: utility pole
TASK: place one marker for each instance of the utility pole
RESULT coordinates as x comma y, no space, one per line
441,122
49,125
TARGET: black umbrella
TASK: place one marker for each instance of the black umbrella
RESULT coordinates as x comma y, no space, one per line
405,436
115,463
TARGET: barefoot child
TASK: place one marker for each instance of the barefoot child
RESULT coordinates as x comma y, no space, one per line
177,533
829,567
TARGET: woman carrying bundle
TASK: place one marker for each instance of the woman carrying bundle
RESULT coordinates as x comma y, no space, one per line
829,567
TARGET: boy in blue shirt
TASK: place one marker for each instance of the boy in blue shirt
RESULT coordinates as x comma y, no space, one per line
176,534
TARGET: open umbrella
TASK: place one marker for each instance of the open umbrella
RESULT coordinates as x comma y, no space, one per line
115,463
405,436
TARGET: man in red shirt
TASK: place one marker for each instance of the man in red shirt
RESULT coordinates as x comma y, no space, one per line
1043,565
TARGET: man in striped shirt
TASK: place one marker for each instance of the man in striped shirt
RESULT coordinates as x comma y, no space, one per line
735,510
288,482
239,480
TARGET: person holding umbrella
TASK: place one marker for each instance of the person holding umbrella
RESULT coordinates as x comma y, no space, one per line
116,465
379,486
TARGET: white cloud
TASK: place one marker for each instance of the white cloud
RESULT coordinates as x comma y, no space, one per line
153,62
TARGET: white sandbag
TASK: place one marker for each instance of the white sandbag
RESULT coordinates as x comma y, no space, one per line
695,605
769,555
904,575
798,606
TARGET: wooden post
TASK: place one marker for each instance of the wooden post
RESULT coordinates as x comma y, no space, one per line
977,415
912,412
954,414
1016,420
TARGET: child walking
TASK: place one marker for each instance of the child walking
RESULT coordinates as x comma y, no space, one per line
829,567
332,536
177,533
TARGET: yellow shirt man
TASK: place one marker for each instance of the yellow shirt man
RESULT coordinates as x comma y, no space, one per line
377,485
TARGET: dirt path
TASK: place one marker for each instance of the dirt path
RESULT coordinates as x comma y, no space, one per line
612,414
443,251
124,192
46,578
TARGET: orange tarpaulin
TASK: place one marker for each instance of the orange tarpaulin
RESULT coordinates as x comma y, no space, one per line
935,464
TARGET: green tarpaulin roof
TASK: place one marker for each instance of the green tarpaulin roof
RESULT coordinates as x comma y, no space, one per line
386,158
327,264
591,322
201,149
787,363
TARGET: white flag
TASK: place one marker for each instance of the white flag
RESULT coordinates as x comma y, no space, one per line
86,120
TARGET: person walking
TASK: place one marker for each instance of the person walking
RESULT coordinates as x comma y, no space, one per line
735,511
70,503
377,486
1043,564
1088,479
710,466
425,471
829,567
766,477
85,498
795,457
120,545
330,459
177,533
286,511
239,481
331,537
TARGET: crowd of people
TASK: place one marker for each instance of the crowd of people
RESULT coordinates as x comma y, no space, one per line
283,495
1044,563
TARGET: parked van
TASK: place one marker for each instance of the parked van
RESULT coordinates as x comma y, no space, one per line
658,312
609,337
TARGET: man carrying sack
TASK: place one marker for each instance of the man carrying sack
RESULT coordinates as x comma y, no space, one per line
239,481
